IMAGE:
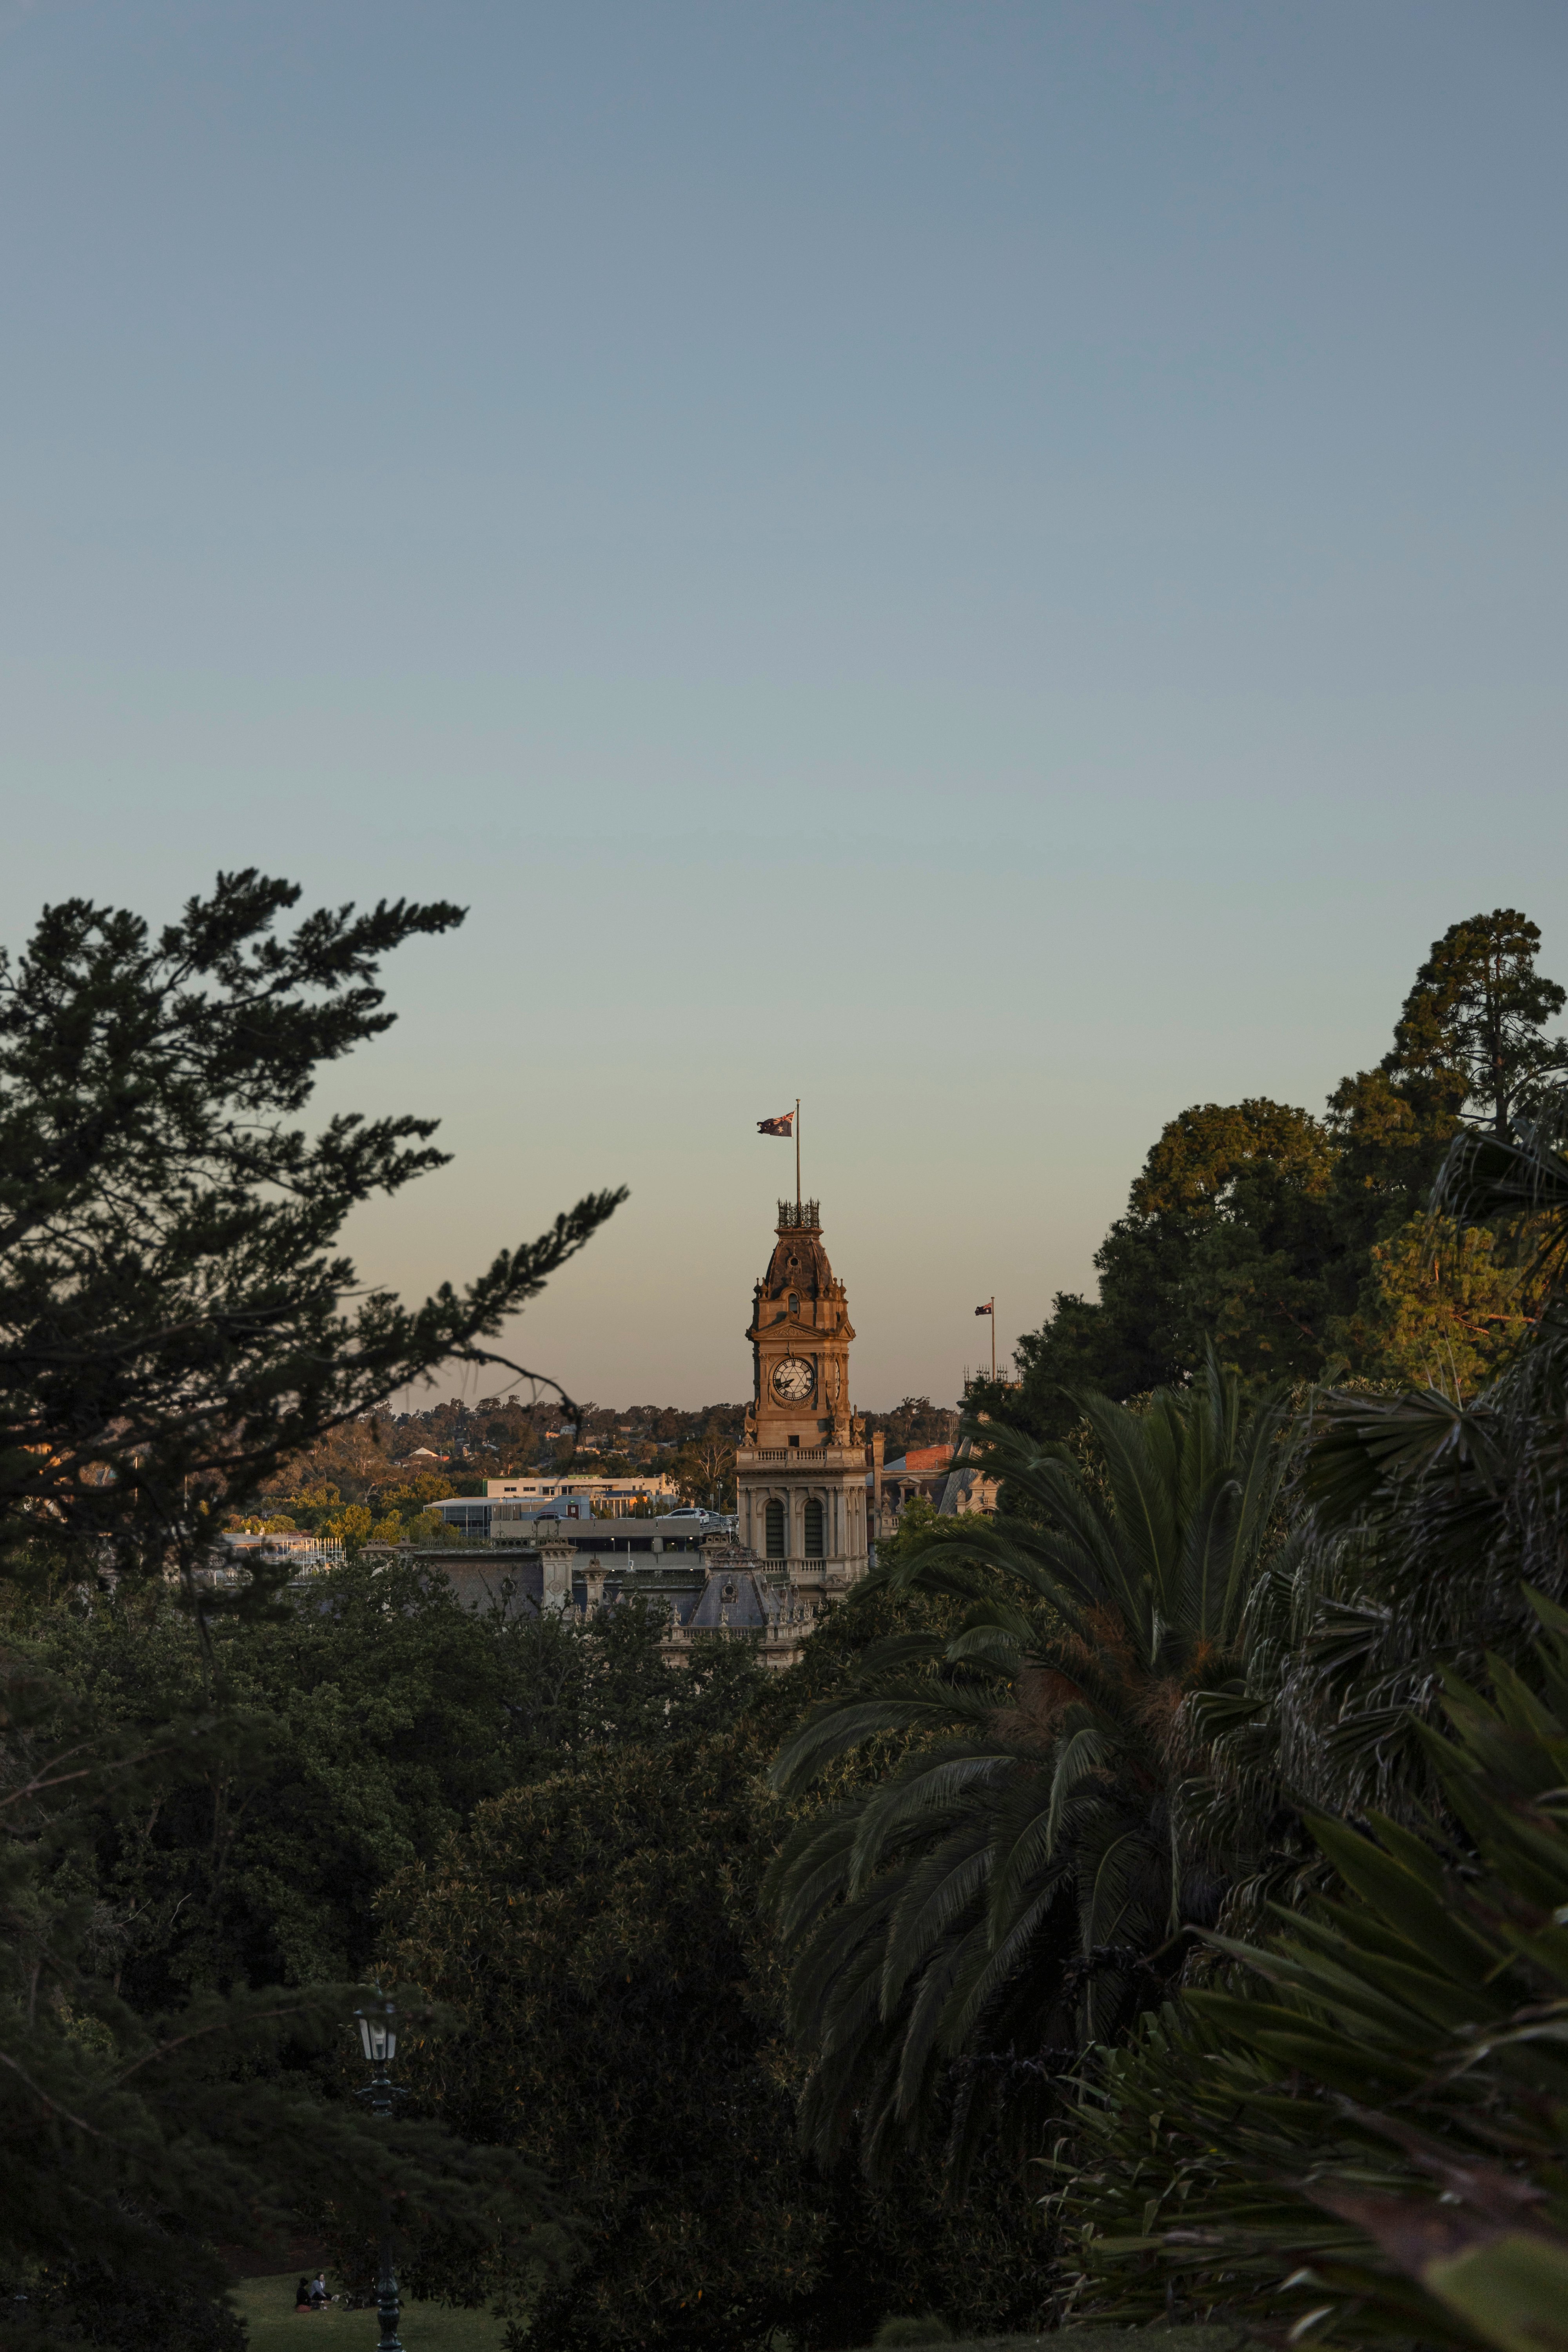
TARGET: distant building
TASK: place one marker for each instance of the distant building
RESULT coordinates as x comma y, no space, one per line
807,1507
801,1465
506,1501
307,1555
939,1474
736,1597
799,1541
542,1563
921,1470
654,1487
290,1544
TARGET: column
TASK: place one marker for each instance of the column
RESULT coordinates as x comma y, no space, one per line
557,1558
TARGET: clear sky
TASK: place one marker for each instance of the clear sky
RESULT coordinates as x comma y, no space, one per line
997,567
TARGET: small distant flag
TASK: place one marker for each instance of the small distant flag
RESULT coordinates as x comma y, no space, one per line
989,1310
783,1125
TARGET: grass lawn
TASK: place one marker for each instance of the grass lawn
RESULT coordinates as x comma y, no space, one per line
267,2307
1193,2336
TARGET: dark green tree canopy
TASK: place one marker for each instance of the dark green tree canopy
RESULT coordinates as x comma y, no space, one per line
1227,1240
1208,1158
600,1933
173,1322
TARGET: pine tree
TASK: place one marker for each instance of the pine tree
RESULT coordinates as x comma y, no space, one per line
174,1319
1472,1027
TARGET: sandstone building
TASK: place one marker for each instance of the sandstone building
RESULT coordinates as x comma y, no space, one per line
800,1467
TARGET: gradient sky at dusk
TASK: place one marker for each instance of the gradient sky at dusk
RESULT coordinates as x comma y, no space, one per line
998,568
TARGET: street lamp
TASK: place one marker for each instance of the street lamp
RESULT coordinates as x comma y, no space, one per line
379,2036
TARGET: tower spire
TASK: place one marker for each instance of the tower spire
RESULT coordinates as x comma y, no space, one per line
800,1467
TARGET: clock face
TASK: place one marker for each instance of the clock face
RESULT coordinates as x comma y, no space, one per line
793,1378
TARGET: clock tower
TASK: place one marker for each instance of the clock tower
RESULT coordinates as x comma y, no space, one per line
800,1469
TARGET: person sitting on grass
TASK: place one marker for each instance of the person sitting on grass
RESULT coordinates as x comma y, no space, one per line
302,2297
319,2298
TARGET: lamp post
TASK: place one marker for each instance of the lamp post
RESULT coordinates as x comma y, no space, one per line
379,2036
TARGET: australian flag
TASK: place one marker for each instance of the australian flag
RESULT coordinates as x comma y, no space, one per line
783,1125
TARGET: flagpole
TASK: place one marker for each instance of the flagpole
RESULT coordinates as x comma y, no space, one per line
993,1338
797,1160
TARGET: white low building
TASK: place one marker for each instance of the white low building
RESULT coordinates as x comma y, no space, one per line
506,1503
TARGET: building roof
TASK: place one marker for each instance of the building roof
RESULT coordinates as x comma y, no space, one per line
799,1263
921,1461
734,1597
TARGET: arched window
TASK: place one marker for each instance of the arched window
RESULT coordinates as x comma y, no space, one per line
794,1302
775,1525
814,1529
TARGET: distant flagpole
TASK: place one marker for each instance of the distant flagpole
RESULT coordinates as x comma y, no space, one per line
797,1160
990,1308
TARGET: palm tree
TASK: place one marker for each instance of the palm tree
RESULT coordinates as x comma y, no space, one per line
1016,1880
1432,1520
1367,2114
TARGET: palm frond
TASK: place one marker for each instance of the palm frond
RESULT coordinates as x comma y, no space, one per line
921,1799
937,1895
842,1724
1017,1870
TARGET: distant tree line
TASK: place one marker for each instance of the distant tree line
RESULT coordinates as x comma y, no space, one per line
372,1479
